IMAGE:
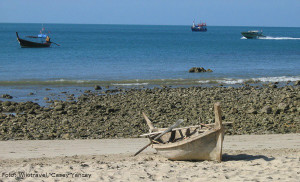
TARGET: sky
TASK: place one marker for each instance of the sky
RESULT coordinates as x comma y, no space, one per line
272,13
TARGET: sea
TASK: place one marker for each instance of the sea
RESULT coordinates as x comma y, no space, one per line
142,55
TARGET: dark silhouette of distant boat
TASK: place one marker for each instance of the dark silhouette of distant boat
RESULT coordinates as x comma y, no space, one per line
43,40
30,44
253,34
201,27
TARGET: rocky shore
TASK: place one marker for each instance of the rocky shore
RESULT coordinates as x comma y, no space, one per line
118,113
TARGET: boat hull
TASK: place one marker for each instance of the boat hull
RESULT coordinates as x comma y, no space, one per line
198,29
252,35
203,147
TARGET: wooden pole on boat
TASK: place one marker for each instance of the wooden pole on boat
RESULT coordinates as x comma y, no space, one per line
166,131
149,123
219,126
55,43
218,115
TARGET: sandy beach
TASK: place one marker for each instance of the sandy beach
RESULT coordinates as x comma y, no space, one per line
245,158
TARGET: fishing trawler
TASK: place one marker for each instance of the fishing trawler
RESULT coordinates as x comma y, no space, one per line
200,27
253,34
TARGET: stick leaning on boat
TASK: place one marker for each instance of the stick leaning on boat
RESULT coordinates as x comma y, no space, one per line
166,131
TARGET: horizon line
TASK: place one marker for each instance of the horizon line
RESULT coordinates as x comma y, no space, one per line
144,24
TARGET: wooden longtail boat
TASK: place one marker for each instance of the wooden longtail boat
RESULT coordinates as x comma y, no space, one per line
202,142
26,43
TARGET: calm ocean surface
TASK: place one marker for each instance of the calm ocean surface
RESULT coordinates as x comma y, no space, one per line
137,54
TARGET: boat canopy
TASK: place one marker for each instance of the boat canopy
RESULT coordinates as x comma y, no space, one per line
42,35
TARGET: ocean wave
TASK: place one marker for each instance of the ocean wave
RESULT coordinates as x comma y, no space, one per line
275,38
180,81
203,81
278,79
252,80
70,81
47,82
129,84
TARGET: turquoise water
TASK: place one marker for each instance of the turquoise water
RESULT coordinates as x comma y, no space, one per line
136,54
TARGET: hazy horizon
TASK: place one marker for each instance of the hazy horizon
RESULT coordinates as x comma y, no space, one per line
254,13
146,24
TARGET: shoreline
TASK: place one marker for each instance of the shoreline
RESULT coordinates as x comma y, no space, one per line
58,90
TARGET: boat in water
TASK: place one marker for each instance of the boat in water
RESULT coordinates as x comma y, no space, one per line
253,34
200,27
201,142
32,44
40,41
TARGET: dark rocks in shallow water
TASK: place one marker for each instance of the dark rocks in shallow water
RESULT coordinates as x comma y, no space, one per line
6,96
199,70
297,83
97,87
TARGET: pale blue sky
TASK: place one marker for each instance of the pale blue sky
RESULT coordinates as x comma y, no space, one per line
153,12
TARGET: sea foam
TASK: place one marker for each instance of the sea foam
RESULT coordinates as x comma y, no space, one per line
261,79
279,38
